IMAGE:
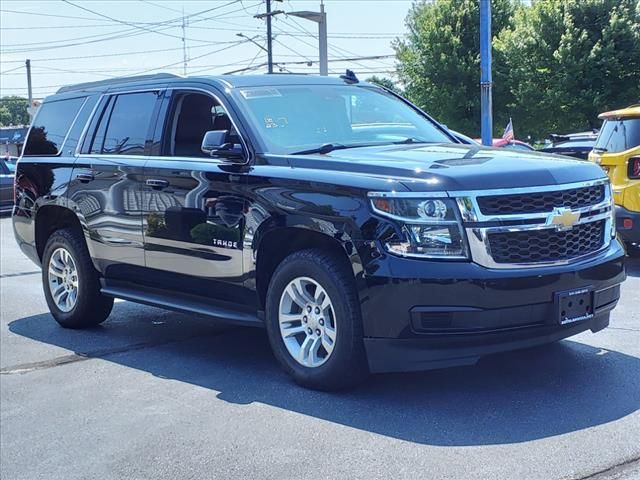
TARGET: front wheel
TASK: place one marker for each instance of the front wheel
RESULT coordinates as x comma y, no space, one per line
313,321
71,284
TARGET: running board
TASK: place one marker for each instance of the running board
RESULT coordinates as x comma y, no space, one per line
183,304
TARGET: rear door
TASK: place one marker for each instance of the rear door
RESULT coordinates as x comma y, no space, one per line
194,218
106,180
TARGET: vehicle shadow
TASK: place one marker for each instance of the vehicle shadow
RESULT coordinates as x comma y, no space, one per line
506,398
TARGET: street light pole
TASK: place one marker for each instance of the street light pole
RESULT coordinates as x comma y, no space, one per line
486,107
321,19
322,39
29,90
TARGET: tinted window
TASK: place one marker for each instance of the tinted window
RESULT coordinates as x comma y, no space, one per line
619,135
127,119
51,125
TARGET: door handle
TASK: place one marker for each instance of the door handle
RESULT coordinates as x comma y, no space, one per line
157,184
85,177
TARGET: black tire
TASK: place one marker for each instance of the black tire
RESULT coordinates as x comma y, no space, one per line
91,308
347,365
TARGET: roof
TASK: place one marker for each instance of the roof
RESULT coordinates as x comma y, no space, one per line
632,111
230,81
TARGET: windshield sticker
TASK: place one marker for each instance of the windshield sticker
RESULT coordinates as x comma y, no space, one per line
260,93
280,122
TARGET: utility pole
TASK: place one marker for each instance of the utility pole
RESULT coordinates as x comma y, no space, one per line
184,46
486,108
269,39
29,91
321,19
268,16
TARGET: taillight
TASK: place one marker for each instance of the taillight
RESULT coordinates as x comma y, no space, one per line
634,167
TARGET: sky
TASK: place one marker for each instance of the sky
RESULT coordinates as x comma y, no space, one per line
72,41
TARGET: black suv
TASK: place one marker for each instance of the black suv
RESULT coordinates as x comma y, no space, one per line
334,213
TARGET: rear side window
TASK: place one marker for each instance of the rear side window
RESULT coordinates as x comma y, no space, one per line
618,135
51,125
123,127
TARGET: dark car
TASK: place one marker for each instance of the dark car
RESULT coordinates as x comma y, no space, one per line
336,214
7,172
577,145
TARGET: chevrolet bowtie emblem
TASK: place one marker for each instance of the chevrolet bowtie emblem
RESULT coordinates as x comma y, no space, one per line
563,218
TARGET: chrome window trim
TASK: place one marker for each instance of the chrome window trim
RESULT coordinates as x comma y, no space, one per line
162,157
233,122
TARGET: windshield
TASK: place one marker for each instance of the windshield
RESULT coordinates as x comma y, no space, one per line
292,119
618,135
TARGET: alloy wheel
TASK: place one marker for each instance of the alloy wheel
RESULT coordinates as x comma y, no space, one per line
307,322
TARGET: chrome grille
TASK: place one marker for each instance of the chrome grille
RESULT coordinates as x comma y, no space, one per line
537,226
542,201
546,245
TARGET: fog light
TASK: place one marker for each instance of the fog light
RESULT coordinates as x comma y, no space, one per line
627,223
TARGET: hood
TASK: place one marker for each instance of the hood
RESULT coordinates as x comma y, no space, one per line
450,167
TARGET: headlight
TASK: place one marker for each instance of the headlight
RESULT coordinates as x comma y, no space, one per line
431,227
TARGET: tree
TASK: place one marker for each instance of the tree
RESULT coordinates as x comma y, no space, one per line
565,61
13,111
439,62
385,82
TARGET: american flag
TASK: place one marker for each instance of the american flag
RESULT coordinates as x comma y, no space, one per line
508,132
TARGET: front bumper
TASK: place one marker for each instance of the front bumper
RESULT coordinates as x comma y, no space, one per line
628,234
423,314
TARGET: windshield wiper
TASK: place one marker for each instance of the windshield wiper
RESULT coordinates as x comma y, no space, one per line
330,147
601,149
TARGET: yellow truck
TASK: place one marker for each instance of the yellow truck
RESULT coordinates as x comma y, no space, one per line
617,150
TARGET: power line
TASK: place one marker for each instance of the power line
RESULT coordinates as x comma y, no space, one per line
193,58
160,6
119,35
138,26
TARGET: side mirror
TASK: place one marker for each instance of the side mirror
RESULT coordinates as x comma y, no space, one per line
215,144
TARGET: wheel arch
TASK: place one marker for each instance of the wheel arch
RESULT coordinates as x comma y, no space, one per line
50,218
273,245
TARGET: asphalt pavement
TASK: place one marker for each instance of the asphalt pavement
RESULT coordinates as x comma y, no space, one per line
152,394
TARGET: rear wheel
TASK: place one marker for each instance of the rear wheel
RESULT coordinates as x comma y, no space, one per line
71,284
314,322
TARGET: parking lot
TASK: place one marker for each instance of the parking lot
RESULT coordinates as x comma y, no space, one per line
155,394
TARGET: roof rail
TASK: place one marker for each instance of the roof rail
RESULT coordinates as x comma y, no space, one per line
115,81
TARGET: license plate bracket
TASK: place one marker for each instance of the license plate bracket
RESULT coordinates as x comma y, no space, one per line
574,305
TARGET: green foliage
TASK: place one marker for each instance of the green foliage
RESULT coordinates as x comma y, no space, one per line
439,62
566,61
557,64
13,111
